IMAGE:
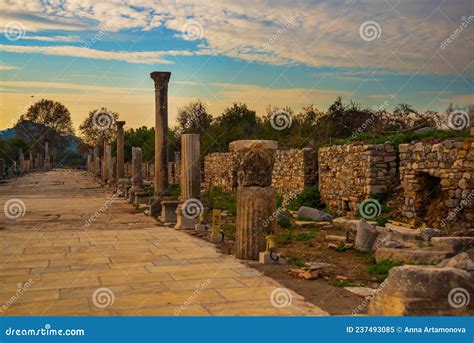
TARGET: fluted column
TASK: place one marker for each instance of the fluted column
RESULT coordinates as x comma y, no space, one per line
256,198
108,163
161,80
137,175
104,160
120,150
21,162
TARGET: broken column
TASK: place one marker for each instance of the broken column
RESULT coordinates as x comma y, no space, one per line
97,163
161,140
108,164
137,177
190,207
256,198
47,161
21,162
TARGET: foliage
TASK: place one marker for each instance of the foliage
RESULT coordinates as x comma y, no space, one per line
308,197
304,236
221,200
284,221
295,261
342,283
341,247
194,118
92,133
382,268
285,237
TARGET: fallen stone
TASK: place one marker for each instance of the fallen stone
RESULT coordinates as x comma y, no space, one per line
304,274
460,261
455,244
303,224
335,238
424,290
333,246
464,233
393,244
313,214
411,255
348,245
317,265
366,235
341,277
402,232
429,233
361,291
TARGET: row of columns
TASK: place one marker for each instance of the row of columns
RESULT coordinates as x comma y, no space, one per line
256,198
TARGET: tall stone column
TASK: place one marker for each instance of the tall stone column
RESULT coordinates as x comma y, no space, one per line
32,160
187,213
97,163
47,160
21,162
161,80
137,175
120,150
256,198
108,163
104,160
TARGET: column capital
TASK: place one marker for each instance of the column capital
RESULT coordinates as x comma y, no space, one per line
120,124
161,78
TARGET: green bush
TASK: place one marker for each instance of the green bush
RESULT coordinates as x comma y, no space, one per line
309,197
304,236
295,261
284,222
285,237
221,200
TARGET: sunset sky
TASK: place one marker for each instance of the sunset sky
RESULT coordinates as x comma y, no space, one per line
89,54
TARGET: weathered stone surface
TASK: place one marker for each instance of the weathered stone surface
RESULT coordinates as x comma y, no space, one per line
349,174
168,211
366,236
255,209
465,233
254,162
456,244
424,290
411,255
361,291
120,150
460,261
310,213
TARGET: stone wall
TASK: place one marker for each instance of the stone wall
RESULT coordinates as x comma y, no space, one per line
349,174
438,183
294,169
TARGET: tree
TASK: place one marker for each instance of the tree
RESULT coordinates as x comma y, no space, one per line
99,125
194,118
52,115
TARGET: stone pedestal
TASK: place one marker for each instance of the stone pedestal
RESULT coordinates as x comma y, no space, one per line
256,198
137,177
168,211
123,186
190,183
161,80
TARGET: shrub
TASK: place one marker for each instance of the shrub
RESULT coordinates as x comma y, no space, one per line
221,200
382,268
308,197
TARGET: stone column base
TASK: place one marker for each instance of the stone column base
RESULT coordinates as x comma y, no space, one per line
168,211
122,186
184,222
131,193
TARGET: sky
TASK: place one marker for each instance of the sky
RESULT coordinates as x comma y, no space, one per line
90,54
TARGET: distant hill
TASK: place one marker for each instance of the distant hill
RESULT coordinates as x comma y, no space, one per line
7,134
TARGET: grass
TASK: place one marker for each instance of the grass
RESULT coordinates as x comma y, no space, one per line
221,200
341,247
381,269
303,236
342,283
295,261
285,237
308,197
284,222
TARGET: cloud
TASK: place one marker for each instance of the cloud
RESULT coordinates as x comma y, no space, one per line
142,57
7,67
67,39
284,33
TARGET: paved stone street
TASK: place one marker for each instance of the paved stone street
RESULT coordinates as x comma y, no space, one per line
74,252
